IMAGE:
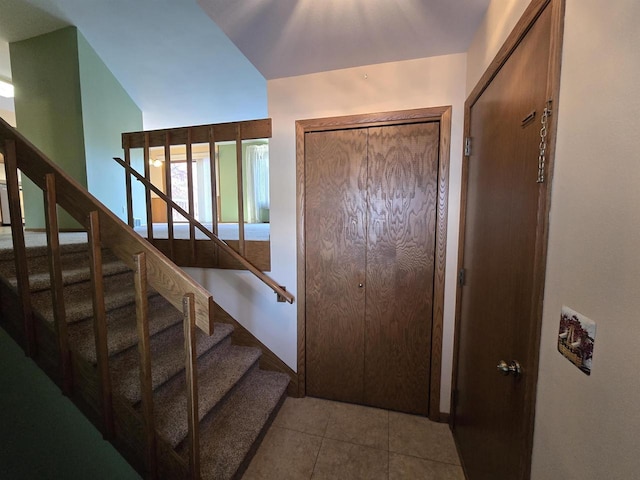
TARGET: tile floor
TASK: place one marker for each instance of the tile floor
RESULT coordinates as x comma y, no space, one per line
320,439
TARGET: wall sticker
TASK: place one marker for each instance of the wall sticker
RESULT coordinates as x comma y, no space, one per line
576,338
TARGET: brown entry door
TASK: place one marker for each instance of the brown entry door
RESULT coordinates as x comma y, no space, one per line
370,216
501,224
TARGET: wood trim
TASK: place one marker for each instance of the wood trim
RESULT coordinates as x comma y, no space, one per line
437,114
528,18
19,249
100,324
223,132
144,352
57,284
167,187
240,183
191,372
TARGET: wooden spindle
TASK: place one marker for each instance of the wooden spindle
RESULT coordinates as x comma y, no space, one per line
192,228
214,183
57,284
127,179
167,187
19,249
240,190
100,323
147,192
214,188
146,384
191,369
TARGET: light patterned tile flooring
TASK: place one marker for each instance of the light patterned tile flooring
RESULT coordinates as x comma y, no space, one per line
317,439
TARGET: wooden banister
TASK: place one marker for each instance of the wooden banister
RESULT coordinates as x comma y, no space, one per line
19,249
144,351
100,323
279,290
164,277
55,275
191,372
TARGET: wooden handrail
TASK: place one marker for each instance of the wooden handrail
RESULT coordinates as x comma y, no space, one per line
164,277
279,290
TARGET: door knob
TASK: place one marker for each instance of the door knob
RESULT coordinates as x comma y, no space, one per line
511,368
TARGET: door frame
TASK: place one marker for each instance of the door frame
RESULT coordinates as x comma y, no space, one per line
527,20
421,115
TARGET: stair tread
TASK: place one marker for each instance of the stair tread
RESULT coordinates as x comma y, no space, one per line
42,280
121,327
167,358
227,436
41,250
218,371
119,290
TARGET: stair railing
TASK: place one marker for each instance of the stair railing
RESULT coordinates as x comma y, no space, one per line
151,267
279,290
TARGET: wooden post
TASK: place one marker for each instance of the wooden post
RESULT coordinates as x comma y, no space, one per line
146,384
57,284
192,230
127,179
147,192
191,369
240,190
100,323
214,188
214,183
19,249
167,186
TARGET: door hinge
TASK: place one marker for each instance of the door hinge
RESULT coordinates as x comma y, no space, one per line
462,273
467,146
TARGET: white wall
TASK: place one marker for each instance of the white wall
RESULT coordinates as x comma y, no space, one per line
587,426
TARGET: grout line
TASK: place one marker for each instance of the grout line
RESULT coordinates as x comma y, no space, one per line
427,459
297,431
316,462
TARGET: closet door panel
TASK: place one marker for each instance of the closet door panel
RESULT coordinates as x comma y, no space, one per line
335,213
402,199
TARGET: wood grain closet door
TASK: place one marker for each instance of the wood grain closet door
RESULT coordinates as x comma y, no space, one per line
402,199
335,212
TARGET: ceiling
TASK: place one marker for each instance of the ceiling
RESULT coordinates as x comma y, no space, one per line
203,61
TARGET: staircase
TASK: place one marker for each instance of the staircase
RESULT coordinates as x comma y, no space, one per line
237,399
178,393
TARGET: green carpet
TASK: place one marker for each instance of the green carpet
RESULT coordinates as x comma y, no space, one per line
42,434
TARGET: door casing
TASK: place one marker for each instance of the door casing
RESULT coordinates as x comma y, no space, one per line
439,114
528,18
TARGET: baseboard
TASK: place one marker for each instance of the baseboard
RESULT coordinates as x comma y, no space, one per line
444,417
268,360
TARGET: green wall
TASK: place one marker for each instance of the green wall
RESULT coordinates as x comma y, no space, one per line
73,109
107,112
49,110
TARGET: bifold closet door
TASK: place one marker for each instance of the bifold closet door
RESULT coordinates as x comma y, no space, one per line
335,215
370,216
402,199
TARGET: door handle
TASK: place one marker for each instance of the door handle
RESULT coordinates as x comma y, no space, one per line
511,368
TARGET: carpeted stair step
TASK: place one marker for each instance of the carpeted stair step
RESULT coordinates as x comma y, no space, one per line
6,254
167,358
119,290
228,435
218,371
121,327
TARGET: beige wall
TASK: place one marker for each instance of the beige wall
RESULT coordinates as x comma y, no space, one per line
419,83
496,26
9,117
587,426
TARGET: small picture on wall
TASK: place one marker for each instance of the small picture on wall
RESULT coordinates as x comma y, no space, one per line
576,337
